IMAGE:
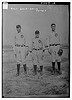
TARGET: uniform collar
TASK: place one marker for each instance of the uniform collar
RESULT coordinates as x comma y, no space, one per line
53,31
36,37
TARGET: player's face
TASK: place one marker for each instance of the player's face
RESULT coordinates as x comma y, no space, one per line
18,29
53,27
36,35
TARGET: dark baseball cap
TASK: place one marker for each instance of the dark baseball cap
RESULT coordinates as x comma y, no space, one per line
37,32
17,26
53,24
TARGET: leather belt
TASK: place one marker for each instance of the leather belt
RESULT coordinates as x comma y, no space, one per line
54,44
46,46
37,49
20,45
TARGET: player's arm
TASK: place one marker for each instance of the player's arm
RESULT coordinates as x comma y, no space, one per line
49,39
32,45
59,40
24,42
47,43
14,46
15,40
42,45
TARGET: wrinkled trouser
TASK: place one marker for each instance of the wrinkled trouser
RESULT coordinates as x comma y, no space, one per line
20,55
37,56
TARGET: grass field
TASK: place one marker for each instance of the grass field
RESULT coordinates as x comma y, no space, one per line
47,85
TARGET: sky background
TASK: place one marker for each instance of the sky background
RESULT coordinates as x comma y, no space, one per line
30,20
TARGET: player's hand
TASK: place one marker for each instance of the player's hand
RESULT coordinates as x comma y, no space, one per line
44,50
46,46
27,53
30,51
42,57
49,50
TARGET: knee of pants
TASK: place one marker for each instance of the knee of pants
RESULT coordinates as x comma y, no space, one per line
40,61
58,58
53,60
35,62
18,62
18,58
53,57
34,59
23,61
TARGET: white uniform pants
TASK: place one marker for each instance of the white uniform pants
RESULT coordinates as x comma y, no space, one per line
54,53
20,55
37,56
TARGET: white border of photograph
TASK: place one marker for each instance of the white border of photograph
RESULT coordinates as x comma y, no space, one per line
1,50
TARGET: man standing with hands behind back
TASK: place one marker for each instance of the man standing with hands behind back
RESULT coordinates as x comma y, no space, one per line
37,52
20,49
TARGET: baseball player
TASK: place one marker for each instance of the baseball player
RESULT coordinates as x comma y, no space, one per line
54,45
37,53
20,49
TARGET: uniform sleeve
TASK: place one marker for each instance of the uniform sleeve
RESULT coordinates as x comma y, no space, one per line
24,41
49,39
32,45
15,40
14,48
59,39
42,44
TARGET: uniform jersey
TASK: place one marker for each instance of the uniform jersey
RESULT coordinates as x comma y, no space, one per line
54,38
37,43
37,53
20,49
20,39
54,44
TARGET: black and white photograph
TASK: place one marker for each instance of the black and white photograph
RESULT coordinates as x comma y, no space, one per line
35,49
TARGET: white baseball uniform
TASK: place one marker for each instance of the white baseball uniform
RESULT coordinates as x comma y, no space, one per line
37,53
54,43
20,49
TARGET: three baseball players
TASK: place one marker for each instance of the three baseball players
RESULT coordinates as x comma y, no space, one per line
37,47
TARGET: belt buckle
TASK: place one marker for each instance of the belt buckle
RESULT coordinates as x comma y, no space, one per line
53,45
21,45
24,45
